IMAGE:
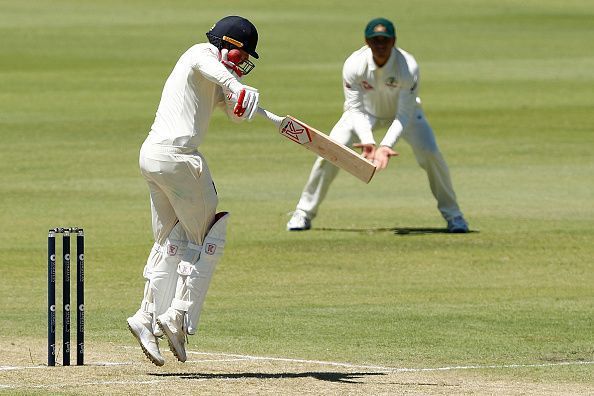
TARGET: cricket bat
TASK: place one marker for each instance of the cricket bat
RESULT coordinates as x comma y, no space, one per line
314,140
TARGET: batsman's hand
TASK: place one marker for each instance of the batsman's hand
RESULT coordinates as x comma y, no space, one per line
382,156
247,103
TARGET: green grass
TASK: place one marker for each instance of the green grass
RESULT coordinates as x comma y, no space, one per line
508,88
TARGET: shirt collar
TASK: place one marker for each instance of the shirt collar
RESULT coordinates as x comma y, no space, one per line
371,64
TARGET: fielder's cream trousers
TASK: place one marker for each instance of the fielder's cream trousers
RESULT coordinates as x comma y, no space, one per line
418,134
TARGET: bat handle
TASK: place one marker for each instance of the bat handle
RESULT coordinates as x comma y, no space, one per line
270,116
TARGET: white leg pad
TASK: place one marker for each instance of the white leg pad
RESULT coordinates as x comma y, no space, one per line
160,273
194,277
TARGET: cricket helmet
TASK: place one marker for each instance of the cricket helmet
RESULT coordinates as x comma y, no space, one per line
237,32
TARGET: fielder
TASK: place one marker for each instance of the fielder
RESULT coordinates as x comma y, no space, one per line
189,234
381,84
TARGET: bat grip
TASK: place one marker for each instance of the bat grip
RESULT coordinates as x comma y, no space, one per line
270,116
276,120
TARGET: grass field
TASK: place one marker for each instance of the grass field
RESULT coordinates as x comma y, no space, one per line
357,305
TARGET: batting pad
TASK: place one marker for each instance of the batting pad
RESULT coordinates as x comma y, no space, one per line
160,272
194,280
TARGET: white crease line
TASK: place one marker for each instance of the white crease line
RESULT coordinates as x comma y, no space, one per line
118,382
394,369
218,360
11,368
112,364
325,363
249,357
237,357
58,386
478,367
100,364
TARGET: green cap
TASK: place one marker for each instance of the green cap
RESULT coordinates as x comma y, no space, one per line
380,27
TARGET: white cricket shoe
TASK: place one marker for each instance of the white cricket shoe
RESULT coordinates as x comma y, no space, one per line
457,225
141,327
299,221
171,324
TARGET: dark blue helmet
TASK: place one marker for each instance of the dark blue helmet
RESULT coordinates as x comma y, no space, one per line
236,32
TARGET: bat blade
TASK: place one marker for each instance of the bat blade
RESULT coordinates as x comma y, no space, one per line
338,154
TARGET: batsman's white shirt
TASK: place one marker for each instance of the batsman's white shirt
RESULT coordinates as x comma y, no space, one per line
180,184
189,97
386,94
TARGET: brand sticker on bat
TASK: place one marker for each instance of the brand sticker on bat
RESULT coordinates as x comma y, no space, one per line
295,131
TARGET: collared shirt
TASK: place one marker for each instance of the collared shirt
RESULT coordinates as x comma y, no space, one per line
189,97
387,93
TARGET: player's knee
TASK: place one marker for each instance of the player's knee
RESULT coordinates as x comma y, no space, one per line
427,154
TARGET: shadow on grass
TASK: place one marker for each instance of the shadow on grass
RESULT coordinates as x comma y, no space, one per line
322,376
395,230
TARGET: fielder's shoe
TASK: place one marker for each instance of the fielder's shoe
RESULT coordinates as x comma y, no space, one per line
141,327
171,324
457,225
299,221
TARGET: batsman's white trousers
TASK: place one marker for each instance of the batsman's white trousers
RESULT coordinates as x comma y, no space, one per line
181,188
418,134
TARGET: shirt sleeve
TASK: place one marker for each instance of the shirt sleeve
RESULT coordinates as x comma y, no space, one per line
206,61
407,102
353,101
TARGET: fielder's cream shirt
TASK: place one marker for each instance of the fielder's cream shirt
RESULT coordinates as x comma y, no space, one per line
388,93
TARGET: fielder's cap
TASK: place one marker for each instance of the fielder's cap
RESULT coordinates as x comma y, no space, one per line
380,27
237,31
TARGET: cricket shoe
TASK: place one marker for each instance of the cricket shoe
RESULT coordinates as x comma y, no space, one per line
457,225
141,327
171,324
299,221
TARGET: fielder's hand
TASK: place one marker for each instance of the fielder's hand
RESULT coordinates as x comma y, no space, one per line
247,103
367,150
382,157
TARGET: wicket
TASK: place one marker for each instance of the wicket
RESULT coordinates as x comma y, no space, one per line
51,296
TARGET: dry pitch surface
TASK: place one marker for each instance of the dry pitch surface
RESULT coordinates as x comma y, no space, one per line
113,369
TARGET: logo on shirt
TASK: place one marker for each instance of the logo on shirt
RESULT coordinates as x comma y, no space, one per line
366,86
392,82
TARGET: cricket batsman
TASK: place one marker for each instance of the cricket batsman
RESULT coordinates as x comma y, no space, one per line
188,232
381,84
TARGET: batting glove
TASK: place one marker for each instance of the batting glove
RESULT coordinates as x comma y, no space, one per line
247,103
